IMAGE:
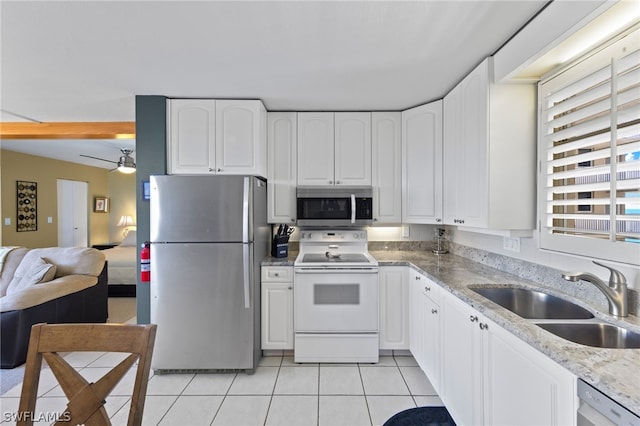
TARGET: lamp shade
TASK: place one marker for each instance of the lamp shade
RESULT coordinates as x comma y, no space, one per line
126,221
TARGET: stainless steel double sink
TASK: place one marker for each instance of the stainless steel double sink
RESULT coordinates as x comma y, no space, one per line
561,317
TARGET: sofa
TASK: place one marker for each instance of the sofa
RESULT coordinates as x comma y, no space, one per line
50,285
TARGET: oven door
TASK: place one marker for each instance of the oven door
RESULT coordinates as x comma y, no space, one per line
335,300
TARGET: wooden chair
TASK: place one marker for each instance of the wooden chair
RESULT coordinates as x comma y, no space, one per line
86,400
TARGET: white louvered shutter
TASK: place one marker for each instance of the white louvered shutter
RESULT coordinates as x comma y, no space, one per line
590,150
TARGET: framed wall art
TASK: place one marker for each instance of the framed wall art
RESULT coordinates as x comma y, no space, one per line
101,205
27,206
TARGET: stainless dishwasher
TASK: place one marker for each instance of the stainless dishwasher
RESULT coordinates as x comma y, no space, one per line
597,409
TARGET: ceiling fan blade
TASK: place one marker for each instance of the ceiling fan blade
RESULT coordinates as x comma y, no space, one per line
97,158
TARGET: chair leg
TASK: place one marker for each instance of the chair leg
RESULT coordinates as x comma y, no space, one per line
27,407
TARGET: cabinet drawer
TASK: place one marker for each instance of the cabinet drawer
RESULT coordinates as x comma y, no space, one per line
277,273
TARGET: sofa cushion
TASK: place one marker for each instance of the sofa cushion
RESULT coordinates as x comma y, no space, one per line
31,272
71,260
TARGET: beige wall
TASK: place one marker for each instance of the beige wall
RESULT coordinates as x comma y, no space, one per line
122,190
17,166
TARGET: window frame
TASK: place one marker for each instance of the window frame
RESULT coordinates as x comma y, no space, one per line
616,251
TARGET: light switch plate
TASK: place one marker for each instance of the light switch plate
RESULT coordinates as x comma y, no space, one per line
7,221
49,219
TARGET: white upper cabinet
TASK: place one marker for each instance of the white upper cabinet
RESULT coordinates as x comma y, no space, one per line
282,166
315,148
422,164
386,171
334,149
241,143
353,148
192,136
489,153
217,137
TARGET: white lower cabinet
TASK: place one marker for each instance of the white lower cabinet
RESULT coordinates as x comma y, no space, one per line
277,307
394,307
425,325
491,377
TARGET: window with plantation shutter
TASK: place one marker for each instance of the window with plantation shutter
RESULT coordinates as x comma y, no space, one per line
589,183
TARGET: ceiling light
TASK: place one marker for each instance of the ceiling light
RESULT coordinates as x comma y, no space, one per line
126,164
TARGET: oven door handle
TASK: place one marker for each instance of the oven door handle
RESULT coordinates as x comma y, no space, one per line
353,208
347,270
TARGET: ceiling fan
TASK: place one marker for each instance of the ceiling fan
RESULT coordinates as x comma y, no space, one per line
125,164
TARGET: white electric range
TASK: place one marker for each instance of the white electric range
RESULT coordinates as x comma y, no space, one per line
336,298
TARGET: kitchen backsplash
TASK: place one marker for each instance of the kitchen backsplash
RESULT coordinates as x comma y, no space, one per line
550,277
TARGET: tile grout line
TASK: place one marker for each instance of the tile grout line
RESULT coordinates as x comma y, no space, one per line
272,390
318,399
174,402
364,392
224,397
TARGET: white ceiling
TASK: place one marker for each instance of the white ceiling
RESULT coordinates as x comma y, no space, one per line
86,61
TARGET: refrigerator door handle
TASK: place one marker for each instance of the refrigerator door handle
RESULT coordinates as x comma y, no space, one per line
246,271
245,210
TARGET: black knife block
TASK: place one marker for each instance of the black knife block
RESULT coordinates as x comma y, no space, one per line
280,246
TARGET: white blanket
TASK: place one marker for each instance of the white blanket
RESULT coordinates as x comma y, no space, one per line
121,266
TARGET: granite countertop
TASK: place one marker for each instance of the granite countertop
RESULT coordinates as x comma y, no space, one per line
615,372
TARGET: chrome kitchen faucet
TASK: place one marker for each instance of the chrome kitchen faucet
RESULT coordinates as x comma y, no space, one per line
615,291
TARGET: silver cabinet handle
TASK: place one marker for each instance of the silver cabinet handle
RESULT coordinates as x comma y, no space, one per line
426,288
473,318
483,326
434,311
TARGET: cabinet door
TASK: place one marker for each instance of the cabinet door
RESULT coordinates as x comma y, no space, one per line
352,148
241,145
473,194
453,155
386,173
523,386
415,320
430,320
192,135
277,316
466,117
282,166
422,164
394,308
461,389
315,148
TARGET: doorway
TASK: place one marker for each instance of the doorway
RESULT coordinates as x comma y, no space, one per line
73,213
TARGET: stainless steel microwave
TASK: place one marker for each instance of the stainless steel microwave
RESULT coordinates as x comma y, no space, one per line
334,207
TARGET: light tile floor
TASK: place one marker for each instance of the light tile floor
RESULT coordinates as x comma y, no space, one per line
280,392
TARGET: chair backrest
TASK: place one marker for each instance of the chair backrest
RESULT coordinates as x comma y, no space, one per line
86,400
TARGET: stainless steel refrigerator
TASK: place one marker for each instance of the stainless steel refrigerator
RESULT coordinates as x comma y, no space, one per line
208,237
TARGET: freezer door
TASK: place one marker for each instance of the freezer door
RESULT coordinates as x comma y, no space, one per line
202,208
204,306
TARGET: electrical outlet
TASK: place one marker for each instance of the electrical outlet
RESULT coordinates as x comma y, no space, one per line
405,231
511,243
49,219
7,221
